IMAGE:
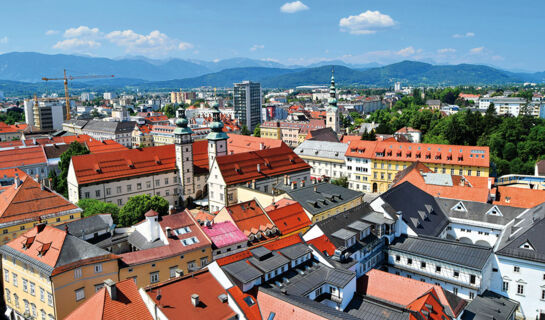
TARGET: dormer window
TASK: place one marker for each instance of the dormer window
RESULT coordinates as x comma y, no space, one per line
460,207
494,211
527,245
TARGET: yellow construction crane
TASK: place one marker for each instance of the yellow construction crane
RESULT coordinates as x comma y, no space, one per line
65,79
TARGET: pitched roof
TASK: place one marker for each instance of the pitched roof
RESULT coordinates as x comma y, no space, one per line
175,245
420,211
519,197
91,168
322,149
379,284
533,237
444,185
246,302
55,150
176,293
19,157
320,197
111,127
29,201
479,211
249,217
224,234
96,146
465,255
54,250
288,218
424,152
323,244
243,167
490,305
127,305
88,225
323,134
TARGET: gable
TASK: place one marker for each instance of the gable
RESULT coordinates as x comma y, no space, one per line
494,211
460,207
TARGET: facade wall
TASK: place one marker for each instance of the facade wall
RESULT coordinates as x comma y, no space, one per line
335,210
358,171
530,275
480,234
332,168
142,273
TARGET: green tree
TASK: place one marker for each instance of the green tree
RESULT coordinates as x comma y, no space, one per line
244,131
74,149
342,181
93,206
133,211
169,110
257,131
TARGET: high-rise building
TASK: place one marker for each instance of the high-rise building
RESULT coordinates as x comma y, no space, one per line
247,102
46,115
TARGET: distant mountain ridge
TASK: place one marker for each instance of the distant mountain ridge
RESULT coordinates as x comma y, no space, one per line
18,69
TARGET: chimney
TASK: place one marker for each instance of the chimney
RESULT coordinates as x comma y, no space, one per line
253,183
259,168
195,300
109,284
315,189
462,181
178,272
169,232
17,181
286,180
171,210
261,146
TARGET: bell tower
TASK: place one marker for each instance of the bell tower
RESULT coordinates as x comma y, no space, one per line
183,143
217,139
332,112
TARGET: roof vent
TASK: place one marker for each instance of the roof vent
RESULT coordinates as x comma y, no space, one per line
223,298
195,300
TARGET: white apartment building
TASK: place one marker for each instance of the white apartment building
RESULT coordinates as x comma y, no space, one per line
463,269
326,158
358,171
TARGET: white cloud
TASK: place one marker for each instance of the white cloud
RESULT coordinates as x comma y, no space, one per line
155,43
446,50
476,50
256,47
464,35
76,44
51,32
82,31
4,40
293,7
405,52
367,22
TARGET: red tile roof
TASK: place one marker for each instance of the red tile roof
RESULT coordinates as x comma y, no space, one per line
288,218
519,197
469,188
323,244
92,168
19,157
176,294
240,168
175,246
251,312
157,118
379,284
249,217
224,234
49,241
411,152
127,306
96,146
7,128
29,201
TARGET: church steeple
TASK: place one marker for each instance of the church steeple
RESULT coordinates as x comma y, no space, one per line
217,139
183,144
332,102
332,112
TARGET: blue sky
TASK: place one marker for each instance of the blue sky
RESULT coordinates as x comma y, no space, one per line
508,34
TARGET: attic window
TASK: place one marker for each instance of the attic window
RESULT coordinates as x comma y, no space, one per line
28,242
43,250
157,160
97,168
130,164
237,168
527,245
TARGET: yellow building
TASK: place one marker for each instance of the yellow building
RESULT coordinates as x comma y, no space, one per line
162,249
271,131
48,273
378,162
25,203
323,200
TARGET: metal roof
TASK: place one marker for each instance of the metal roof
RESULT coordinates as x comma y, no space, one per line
271,263
260,252
343,234
242,271
322,149
359,225
439,179
464,255
490,305
295,251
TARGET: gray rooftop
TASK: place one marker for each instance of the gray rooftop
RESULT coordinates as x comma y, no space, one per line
112,127
465,255
322,149
271,263
359,225
295,251
242,271
317,198
439,179
368,309
476,211
533,235
488,306
89,225
139,241
315,276
343,234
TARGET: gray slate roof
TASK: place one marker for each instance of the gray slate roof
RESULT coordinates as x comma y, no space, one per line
476,211
367,309
533,234
89,225
420,211
488,306
112,127
461,254
274,262
242,271
315,277
325,197
322,149
295,251
75,249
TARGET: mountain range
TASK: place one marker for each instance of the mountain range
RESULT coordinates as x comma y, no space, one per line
23,71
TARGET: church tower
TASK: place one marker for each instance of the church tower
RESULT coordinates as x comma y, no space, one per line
332,112
217,139
183,143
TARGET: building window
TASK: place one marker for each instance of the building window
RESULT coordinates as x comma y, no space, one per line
166,181
173,271
49,299
472,278
204,261
437,269
108,191
154,277
43,314
77,273
99,286
516,269
542,294
80,294
471,295
98,268
456,274
422,264
520,289
157,182
129,188
409,261
8,295
455,290
6,275
119,202
16,298
42,294
398,258
87,194
33,288
97,193
14,277
118,189
25,285
138,186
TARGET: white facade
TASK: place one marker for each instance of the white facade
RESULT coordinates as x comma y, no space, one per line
523,281
358,171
